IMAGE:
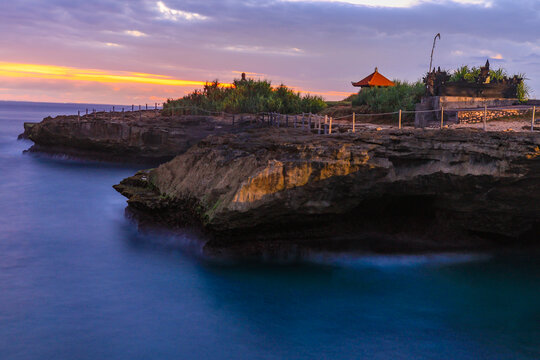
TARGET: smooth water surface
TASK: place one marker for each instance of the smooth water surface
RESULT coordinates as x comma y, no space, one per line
77,281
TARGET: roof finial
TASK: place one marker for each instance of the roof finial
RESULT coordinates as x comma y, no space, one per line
376,69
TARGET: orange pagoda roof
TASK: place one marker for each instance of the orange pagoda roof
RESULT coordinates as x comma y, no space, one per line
375,79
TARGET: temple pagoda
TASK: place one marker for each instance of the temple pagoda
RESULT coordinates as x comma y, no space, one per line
374,79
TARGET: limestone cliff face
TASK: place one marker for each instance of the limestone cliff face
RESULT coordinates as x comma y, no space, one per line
272,183
122,137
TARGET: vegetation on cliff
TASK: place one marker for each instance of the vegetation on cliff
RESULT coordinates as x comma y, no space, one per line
403,96
472,75
246,96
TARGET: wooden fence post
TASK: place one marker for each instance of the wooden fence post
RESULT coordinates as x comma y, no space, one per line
132,107
79,115
146,106
532,119
442,116
399,119
353,122
485,116
330,126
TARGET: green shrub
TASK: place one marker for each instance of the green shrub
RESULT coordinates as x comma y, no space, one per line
464,73
497,75
523,89
246,96
403,96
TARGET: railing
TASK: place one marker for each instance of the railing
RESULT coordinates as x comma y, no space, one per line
318,123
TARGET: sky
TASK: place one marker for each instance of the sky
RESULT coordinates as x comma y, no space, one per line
145,51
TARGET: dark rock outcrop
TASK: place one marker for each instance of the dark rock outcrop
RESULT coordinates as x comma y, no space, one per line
278,189
123,137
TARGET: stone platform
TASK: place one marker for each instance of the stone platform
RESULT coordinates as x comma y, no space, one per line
452,105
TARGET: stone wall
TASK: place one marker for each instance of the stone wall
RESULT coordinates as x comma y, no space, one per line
435,103
477,116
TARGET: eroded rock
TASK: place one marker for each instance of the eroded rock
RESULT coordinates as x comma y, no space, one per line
413,190
148,137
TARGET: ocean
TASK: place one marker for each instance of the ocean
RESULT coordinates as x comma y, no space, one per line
79,281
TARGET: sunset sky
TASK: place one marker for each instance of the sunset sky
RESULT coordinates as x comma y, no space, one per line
142,51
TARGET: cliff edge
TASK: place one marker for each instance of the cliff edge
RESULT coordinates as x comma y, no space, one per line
130,136
396,191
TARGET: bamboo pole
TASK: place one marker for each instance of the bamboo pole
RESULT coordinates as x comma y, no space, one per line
400,119
354,121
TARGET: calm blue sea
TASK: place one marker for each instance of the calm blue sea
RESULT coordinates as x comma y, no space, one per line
78,281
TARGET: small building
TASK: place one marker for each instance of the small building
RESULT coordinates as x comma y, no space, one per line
374,79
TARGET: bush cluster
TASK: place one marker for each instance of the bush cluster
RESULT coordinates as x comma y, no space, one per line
246,96
464,73
403,96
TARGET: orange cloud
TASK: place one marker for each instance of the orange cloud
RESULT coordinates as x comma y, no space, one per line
112,84
18,70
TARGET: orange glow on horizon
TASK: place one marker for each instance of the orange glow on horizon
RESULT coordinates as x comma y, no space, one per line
18,70
166,83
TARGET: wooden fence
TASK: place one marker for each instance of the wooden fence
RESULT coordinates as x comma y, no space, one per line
315,123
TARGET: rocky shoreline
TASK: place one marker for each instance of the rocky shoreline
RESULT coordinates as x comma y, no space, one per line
263,191
272,191
140,138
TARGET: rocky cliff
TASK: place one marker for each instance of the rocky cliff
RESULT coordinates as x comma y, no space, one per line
148,137
403,191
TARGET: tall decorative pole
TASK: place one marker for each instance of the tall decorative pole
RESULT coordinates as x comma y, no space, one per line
433,49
